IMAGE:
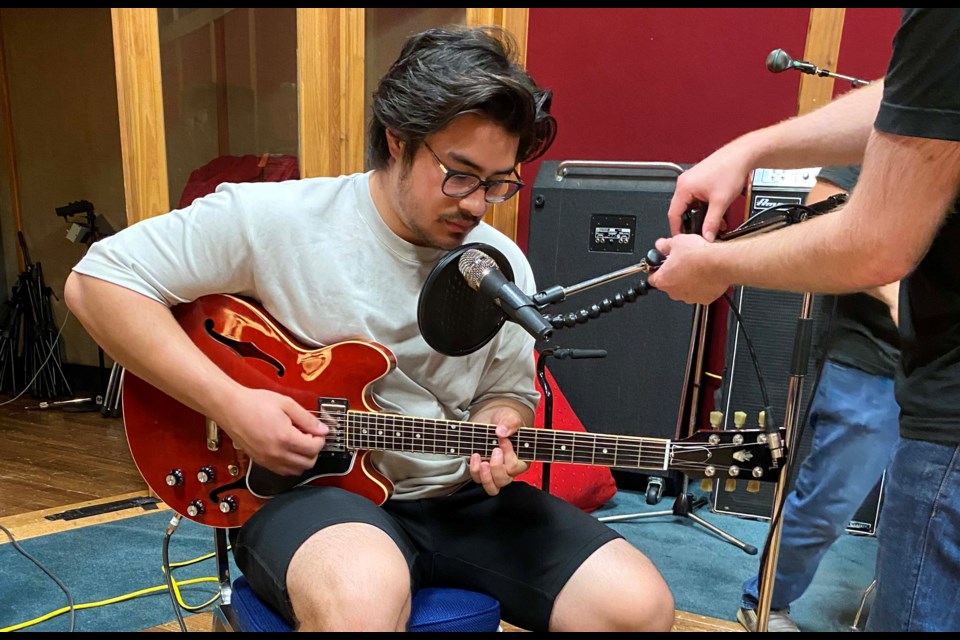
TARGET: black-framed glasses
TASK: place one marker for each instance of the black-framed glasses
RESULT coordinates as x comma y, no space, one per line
460,184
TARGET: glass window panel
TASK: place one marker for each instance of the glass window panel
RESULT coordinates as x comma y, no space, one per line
229,97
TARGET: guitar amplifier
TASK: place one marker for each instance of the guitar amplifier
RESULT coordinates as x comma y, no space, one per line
589,219
770,319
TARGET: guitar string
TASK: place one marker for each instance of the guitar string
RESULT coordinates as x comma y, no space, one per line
623,454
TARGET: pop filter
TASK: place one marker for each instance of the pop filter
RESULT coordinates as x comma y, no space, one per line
454,319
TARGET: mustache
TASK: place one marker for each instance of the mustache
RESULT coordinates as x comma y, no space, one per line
461,216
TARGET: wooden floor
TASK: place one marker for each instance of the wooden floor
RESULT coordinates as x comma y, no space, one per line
53,460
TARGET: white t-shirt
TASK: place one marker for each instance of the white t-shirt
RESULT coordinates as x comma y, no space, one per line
323,263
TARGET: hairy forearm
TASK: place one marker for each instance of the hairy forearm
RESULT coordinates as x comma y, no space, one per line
878,238
835,134
143,337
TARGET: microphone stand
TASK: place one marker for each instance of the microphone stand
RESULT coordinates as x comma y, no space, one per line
559,354
798,365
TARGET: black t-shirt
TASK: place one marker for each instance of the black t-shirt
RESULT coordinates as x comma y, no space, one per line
864,335
921,98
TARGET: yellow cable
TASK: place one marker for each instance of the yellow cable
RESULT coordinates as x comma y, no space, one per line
176,585
176,591
91,605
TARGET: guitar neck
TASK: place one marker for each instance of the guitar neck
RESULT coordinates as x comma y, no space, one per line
387,432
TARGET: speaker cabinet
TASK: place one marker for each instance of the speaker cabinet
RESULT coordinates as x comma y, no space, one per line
588,220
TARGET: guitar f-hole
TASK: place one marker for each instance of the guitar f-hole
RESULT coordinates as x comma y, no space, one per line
243,349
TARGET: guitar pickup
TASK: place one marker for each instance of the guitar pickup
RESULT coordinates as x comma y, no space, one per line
332,411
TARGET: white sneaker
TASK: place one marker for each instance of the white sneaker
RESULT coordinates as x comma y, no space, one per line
779,620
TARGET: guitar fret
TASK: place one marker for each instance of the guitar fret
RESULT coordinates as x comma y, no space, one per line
562,448
389,432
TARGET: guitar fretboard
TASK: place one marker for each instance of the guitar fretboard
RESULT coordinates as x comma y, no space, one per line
387,432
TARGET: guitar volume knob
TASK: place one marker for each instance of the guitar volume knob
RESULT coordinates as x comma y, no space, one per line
205,475
195,509
174,478
228,504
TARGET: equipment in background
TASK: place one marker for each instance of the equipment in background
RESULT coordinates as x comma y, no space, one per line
779,60
771,322
87,226
592,218
29,339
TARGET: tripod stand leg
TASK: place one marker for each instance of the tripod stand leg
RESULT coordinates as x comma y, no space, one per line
749,548
683,506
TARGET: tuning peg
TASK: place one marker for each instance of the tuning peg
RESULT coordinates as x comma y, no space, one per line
716,419
730,485
739,419
706,485
753,486
762,419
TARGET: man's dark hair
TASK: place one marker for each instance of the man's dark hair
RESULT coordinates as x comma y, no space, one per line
445,73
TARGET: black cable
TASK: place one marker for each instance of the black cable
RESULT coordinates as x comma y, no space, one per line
167,576
16,545
753,353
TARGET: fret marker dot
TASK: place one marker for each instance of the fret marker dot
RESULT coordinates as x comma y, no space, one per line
606,450
453,450
563,447
379,433
526,444
417,435
398,434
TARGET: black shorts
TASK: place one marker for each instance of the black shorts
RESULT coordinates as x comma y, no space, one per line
520,547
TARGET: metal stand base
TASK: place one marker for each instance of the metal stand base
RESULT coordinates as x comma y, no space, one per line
684,505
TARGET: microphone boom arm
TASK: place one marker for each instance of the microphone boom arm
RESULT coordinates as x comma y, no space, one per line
785,215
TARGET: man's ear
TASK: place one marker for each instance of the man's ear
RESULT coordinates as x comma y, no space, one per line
394,144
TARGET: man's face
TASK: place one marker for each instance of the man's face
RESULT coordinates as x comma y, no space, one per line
423,214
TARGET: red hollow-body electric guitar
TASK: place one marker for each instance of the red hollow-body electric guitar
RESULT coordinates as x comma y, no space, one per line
194,467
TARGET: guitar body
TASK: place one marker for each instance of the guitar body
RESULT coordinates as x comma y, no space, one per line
175,448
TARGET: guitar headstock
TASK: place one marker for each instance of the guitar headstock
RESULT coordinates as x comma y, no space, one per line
734,454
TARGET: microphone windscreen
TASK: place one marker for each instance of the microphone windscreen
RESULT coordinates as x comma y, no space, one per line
474,265
454,319
778,60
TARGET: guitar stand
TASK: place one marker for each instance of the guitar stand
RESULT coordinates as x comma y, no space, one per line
684,506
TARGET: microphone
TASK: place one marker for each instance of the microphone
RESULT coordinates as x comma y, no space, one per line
483,275
779,60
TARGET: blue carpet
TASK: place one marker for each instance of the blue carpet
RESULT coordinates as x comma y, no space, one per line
109,560
101,562
706,573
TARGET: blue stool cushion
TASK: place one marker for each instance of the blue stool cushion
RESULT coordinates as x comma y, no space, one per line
253,614
434,609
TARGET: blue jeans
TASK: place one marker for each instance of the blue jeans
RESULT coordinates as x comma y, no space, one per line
918,560
855,419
